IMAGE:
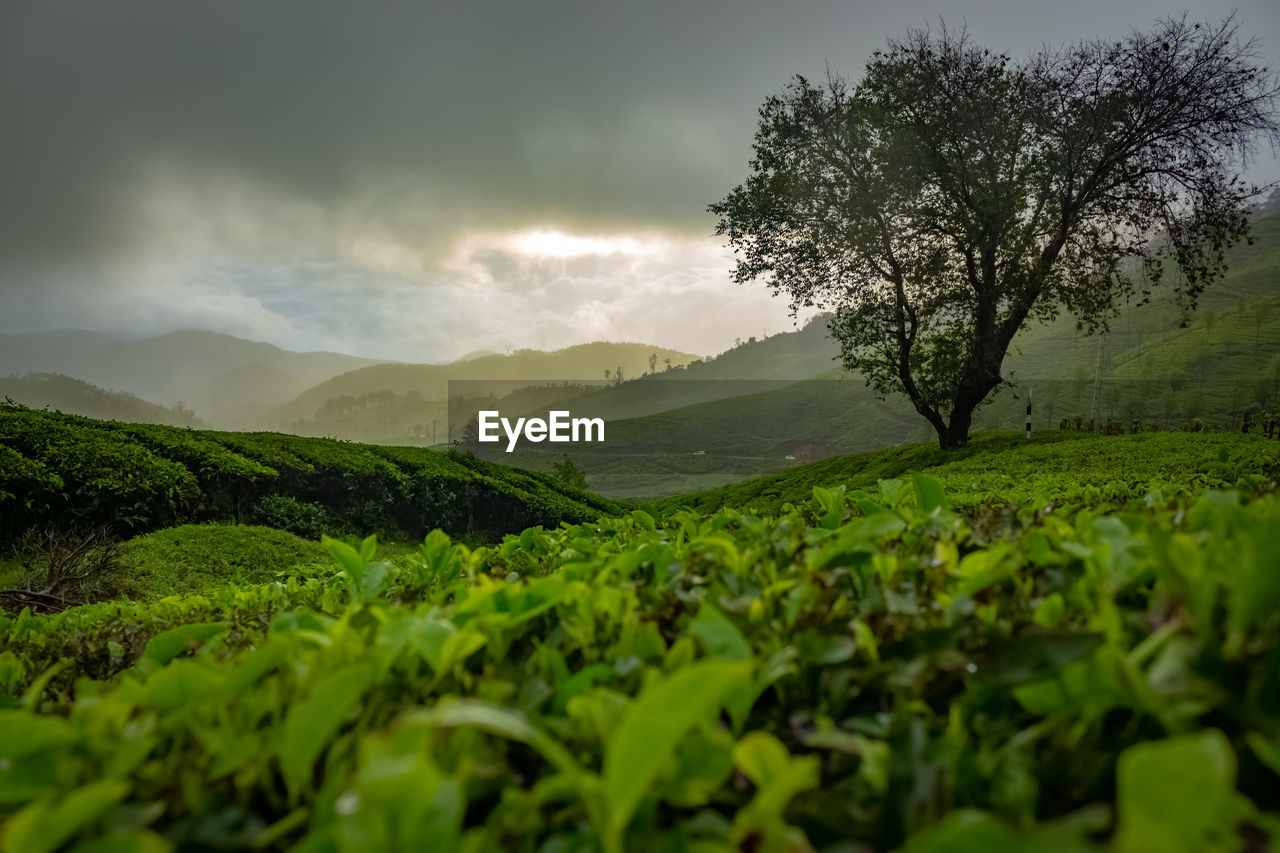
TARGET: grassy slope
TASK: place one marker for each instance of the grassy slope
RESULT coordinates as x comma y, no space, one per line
739,437
194,558
1004,467
755,366
66,394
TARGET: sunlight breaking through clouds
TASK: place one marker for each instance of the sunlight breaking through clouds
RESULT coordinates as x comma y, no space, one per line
556,244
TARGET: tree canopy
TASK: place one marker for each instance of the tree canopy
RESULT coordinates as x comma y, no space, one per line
953,194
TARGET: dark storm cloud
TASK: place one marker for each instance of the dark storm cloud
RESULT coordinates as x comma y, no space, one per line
147,146
429,116
480,114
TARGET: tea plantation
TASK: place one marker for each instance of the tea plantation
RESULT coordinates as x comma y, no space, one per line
1059,646
63,470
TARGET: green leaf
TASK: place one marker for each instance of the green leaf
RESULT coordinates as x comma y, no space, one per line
832,503
866,639
778,778
375,580
1050,611
12,670
503,722
23,733
643,519
703,763
44,826
719,636
825,649
972,831
167,645
312,723
1177,795
368,548
650,729
760,756
929,493
346,558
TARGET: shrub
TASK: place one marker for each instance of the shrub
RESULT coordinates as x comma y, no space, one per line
200,558
569,474
866,672
301,518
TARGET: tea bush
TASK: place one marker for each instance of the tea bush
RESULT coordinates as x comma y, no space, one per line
871,670
67,471
1003,468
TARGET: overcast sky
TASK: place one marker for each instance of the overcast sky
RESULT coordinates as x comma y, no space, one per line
416,181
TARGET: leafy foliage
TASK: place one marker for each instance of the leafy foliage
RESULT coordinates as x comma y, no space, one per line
569,474
196,558
67,471
998,470
953,194
873,669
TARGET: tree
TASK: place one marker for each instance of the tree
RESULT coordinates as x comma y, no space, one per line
569,474
954,194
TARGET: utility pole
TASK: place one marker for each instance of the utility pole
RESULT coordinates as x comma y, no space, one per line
1029,390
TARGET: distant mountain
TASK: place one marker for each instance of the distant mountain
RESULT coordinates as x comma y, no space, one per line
73,397
209,372
471,356
752,367
389,402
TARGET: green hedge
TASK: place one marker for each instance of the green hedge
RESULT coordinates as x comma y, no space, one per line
871,673
65,470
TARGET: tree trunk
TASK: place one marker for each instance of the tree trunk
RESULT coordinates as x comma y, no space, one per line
956,433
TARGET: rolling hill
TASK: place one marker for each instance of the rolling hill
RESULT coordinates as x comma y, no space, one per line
209,372
65,472
399,401
52,390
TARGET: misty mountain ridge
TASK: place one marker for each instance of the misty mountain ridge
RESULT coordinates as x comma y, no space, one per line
73,396
398,402
186,366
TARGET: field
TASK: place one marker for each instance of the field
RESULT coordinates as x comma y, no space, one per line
64,470
1071,644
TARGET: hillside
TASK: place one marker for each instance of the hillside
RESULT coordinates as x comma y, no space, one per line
1148,367
38,390
62,471
404,386
752,367
1005,468
208,372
